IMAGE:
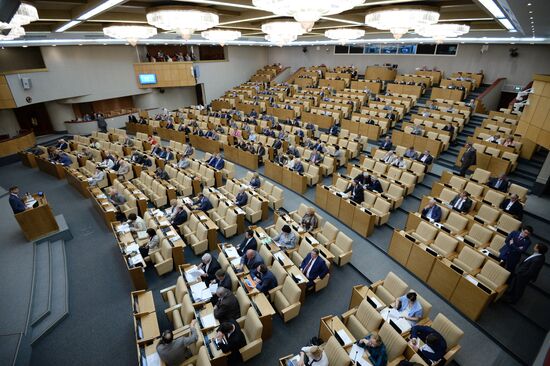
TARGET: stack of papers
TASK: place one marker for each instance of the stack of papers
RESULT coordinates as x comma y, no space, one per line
142,234
208,321
231,252
236,262
30,203
153,359
356,354
197,290
101,195
279,255
131,248
191,275
188,201
136,259
213,288
123,228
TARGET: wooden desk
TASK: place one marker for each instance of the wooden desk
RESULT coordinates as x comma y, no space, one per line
380,72
172,135
281,113
420,261
28,159
142,301
106,209
333,83
443,278
205,144
265,312
133,128
471,299
329,325
400,247
273,171
78,181
241,157
217,357
38,221
363,222
54,169
16,144
149,326
373,86
435,75
450,94
321,195
317,119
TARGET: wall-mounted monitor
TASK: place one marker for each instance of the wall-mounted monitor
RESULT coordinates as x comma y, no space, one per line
145,79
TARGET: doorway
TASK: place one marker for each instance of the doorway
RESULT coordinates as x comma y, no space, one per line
34,117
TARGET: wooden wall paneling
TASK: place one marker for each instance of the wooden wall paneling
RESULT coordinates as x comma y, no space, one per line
6,98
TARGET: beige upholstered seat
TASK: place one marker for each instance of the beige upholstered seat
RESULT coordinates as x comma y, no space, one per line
469,260
494,197
456,223
254,210
390,288
478,235
341,248
336,354
173,295
181,315
444,244
286,299
394,342
494,276
244,302
252,329
507,223
496,243
450,332
425,232
363,320
481,176
487,214
162,258
327,234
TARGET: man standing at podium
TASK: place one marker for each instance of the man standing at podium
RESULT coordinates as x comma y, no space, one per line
16,202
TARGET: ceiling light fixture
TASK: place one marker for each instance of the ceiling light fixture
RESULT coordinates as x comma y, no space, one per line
306,12
184,20
282,32
99,9
400,20
344,35
507,24
130,33
440,32
67,25
221,36
492,8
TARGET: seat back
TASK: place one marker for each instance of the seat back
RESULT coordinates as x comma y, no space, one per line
480,234
508,223
368,316
488,214
448,330
481,175
445,244
329,231
426,231
252,325
471,257
493,275
456,221
244,301
291,291
395,285
279,272
344,242
336,354
394,342
495,198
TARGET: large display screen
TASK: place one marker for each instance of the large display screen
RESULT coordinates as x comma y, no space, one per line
147,79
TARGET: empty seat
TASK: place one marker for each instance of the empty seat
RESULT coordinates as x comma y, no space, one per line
425,232
327,234
478,236
444,244
487,215
507,223
494,276
363,320
469,260
389,288
341,248
286,299
252,329
456,223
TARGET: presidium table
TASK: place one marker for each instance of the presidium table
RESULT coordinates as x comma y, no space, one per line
38,219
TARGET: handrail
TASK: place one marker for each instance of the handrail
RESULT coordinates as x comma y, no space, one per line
488,100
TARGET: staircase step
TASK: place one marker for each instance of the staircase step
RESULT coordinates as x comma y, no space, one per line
42,282
59,308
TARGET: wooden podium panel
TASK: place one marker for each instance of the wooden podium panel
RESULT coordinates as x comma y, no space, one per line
346,212
27,159
363,222
286,177
56,170
274,171
420,262
333,204
413,220
298,183
470,299
38,221
400,248
321,194
443,279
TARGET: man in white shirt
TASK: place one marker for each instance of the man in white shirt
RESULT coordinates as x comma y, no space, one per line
136,223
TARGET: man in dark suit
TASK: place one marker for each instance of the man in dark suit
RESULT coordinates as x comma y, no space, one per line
249,242
313,267
223,279
432,211
16,203
462,202
375,185
468,159
241,199
209,265
425,158
500,184
230,338
202,203
356,190
527,271
512,206
227,308
64,159
515,245
265,279
180,217
298,167
251,259
386,144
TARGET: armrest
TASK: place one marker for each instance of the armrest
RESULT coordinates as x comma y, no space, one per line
164,291
348,313
450,355
175,307
274,289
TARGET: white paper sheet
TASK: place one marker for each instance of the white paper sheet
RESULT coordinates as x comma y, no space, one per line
356,354
342,333
231,252
153,359
193,273
208,321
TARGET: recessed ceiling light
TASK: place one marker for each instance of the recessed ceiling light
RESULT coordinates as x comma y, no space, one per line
528,4
53,45
80,44
531,18
24,46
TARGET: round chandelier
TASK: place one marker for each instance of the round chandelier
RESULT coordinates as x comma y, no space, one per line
14,33
131,33
184,20
343,35
441,31
221,36
24,15
283,32
306,12
400,20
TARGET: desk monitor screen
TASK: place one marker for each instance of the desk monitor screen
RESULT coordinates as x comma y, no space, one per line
147,79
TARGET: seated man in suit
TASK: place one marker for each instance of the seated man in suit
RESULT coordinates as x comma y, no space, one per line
169,154
249,242
265,279
434,347
179,216
64,159
241,199
227,307
389,157
386,144
500,183
223,280
298,167
315,158
286,238
230,339
411,153
62,144
17,204
209,265
334,130
425,157
255,182
202,203
375,185
512,206
313,267
362,178
160,173
516,243
309,220
527,271
356,192
251,259
175,351
432,211
462,202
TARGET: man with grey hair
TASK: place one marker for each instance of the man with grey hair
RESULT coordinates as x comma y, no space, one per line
227,308
432,211
175,351
209,265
